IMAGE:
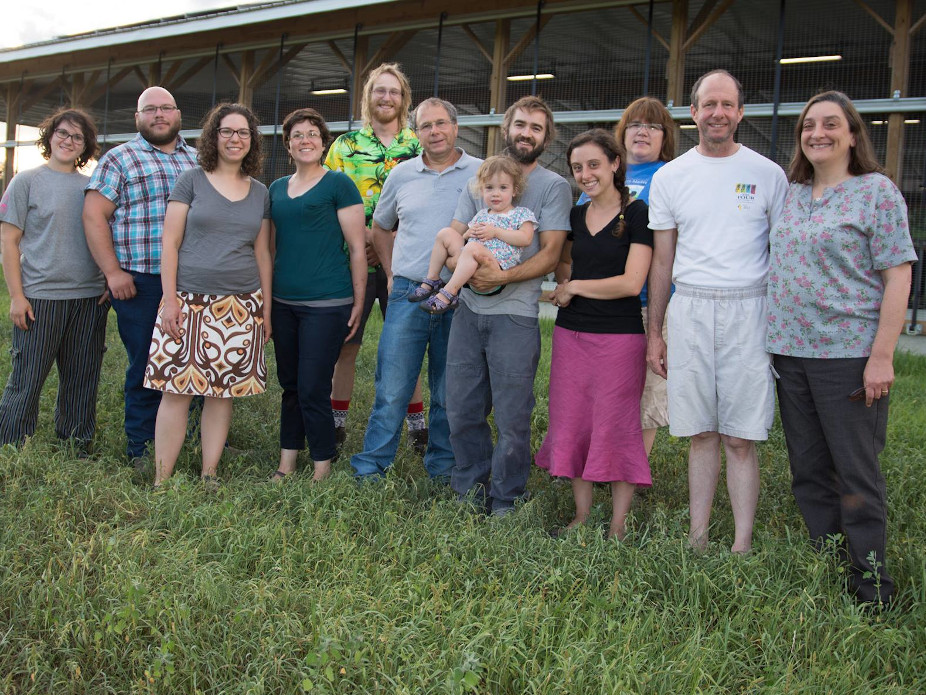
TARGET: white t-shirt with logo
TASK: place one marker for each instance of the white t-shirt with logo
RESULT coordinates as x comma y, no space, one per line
723,209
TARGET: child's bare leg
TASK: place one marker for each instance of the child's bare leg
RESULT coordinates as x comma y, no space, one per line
621,497
447,245
471,257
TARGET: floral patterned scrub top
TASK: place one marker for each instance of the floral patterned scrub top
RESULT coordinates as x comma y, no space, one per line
824,285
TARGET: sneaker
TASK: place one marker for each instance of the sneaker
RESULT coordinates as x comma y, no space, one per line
419,440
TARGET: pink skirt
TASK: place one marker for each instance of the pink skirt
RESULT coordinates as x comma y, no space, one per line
596,381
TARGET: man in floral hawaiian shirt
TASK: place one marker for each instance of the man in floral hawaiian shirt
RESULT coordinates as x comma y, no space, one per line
367,156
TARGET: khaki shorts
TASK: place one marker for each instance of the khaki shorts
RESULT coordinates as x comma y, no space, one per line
720,376
654,406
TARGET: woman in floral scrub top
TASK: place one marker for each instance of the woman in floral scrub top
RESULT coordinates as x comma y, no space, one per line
838,288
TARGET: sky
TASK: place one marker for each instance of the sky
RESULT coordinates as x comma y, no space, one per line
49,19
52,18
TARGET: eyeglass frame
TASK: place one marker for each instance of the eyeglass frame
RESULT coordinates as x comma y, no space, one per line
76,138
151,109
650,127
242,133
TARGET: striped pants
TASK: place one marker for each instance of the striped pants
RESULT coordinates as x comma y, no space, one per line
71,333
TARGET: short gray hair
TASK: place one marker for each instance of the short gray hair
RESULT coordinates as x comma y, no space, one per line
434,101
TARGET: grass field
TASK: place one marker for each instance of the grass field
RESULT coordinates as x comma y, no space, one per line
109,587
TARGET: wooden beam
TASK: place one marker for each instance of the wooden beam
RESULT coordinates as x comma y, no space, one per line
917,26
178,82
76,90
525,41
900,69
360,76
279,64
265,62
390,47
171,73
659,37
141,76
498,84
13,95
339,55
154,72
706,24
114,80
30,100
475,39
675,68
245,90
878,18
232,68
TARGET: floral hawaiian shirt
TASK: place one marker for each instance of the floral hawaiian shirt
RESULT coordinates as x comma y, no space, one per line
361,155
824,285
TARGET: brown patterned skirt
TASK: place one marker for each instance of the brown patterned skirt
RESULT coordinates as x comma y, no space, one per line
220,353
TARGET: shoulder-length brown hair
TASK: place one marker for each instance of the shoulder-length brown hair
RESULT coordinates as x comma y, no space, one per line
650,110
82,120
207,153
862,159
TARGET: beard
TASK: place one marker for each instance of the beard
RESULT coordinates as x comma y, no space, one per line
157,139
522,156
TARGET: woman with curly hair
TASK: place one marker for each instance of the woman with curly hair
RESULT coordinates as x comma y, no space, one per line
216,271
58,299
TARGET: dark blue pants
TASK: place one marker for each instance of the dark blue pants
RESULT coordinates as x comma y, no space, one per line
136,319
307,341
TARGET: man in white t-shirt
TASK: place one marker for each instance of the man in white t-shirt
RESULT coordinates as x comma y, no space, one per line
711,210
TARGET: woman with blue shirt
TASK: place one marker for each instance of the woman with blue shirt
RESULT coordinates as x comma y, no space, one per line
319,282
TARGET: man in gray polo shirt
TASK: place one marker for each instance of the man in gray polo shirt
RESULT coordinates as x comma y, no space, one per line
495,340
417,200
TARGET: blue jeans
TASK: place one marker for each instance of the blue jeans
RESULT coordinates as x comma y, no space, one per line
407,332
491,364
136,318
307,341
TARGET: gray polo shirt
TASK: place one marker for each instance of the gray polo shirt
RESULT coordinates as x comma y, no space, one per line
422,202
549,197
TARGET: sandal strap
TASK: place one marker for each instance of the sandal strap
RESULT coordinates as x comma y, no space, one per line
450,297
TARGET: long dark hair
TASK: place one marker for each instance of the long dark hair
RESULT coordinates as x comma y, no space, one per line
862,159
613,150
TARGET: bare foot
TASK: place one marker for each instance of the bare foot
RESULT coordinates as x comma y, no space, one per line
322,471
618,532
698,543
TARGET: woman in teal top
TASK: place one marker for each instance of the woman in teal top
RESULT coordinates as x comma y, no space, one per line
319,280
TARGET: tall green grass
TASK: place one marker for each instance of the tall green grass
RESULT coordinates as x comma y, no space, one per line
109,587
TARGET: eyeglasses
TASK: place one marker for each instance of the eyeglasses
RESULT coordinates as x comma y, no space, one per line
309,134
383,91
243,133
439,125
76,138
651,127
166,109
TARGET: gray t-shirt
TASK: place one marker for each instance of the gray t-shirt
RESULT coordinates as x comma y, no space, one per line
549,197
56,263
421,201
217,253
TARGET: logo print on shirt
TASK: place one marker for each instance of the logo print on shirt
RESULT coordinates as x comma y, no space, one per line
745,195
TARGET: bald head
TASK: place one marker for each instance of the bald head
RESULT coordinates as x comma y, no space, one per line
157,117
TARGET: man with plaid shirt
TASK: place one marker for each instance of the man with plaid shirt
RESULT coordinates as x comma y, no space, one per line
124,209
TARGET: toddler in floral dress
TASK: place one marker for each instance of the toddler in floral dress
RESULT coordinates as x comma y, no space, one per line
496,234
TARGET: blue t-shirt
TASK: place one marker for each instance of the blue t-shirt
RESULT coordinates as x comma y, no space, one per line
637,181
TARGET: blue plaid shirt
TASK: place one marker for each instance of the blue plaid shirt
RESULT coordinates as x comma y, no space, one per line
138,177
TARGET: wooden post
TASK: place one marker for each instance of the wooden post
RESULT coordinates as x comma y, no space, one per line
360,77
245,90
675,69
12,107
498,86
900,68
